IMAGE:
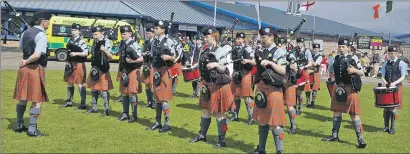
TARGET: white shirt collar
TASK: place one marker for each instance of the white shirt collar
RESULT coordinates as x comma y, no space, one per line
41,28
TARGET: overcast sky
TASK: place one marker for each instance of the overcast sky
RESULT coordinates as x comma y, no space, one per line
360,14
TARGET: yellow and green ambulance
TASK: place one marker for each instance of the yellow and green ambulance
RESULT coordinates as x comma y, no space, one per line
59,32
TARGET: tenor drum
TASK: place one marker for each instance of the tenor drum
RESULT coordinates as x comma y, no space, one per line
386,97
191,74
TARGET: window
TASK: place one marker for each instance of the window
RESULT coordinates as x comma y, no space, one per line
64,15
28,14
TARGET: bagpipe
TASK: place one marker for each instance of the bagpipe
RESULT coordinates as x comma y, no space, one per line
17,32
224,41
104,65
164,50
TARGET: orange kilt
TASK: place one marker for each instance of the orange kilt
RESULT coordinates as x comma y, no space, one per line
244,89
274,112
31,84
78,75
308,88
148,79
104,83
178,67
163,93
290,95
133,82
351,106
221,98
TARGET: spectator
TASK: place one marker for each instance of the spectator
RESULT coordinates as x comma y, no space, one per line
375,63
323,66
331,60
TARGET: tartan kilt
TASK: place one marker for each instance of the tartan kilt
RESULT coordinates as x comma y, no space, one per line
245,88
104,83
133,83
163,93
78,75
31,84
274,112
178,67
308,88
221,98
148,79
316,83
351,106
289,95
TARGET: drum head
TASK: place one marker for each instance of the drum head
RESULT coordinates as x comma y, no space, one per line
260,100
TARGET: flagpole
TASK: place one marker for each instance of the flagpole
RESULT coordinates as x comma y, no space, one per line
314,22
259,18
215,13
391,21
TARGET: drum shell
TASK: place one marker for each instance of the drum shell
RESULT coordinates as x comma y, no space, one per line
191,74
386,97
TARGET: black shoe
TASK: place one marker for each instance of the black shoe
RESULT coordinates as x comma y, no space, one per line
362,144
250,121
292,130
153,106
278,152
20,129
36,133
257,151
386,129
165,129
123,117
82,107
194,96
119,99
298,112
197,139
392,131
105,113
67,105
220,145
330,139
312,105
308,106
156,126
132,119
234,119
92,111
149,104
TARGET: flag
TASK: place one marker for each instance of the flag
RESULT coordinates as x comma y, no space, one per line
381,9
305,7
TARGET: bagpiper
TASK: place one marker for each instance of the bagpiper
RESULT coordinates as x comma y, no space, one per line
75,71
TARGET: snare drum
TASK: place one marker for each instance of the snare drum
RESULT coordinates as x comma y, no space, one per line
191,74
174,71
386,97
302,79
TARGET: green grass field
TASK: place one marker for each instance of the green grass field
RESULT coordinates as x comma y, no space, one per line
75,131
